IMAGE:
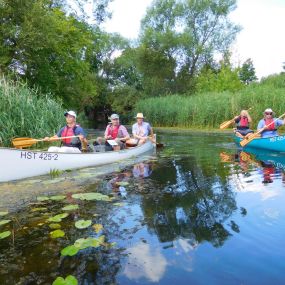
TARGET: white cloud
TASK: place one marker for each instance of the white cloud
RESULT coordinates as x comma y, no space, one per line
145,262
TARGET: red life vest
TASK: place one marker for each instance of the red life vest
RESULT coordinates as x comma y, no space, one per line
113,131
243,122
271,127
68,132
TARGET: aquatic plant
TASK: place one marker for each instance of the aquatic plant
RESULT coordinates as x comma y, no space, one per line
69,280
24,112
3,214
91,196
70,207
4,222
211,109
5,234
83,224
57,234
58,218
55,173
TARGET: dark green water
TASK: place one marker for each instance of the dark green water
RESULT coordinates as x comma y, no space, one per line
197,212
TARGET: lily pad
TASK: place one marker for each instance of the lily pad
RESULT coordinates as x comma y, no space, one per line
69,250
4,222
5,234
54,226
40,209
57,198
69,280
91,196
83,243
57,234
42,198
97,228
3,214
122,183
70,207
58,218
83,224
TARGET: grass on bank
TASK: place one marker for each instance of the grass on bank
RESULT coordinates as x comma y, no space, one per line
209,110
27,113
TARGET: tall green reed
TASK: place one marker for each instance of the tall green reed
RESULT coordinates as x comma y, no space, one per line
208,110
25,112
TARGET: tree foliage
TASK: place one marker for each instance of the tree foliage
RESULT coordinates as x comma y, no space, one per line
247,72
179,37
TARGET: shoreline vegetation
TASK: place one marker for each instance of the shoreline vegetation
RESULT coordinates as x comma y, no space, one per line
209,110
26,112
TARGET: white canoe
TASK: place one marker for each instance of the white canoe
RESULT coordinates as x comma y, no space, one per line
19,163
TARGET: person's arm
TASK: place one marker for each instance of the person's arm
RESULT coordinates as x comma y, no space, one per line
260,125
58,135
125,134
106,136
134,131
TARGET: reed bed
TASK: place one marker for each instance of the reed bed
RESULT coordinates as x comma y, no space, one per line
27,113
209,110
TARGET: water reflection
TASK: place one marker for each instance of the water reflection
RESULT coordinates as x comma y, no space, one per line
189,204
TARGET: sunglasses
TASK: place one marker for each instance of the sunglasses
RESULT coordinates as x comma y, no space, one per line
268,113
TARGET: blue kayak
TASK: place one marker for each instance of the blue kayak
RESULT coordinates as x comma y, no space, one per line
272,144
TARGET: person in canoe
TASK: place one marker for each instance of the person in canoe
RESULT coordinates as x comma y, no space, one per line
271,122
70,129
116,134
140,130
242,124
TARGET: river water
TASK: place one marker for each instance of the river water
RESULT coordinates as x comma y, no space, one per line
198,211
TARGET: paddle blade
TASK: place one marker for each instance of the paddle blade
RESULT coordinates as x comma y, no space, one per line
226,124
23,142
244,142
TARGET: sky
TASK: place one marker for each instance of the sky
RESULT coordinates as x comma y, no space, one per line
261,39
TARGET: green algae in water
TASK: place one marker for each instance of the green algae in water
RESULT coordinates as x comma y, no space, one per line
69,280
83,224
40,209
5,234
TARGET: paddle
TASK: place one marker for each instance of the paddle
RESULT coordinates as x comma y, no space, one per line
244,142
27,142
228,123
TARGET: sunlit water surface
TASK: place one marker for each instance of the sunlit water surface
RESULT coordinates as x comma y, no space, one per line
199,211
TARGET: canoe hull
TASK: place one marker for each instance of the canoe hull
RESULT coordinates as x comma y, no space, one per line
19,164
273,143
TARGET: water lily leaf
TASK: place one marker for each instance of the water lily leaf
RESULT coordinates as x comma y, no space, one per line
58,218
82,224
70,207
69,280
40,209
42,198
91,196
122,183
3,214
83,243
4,222
97,228
54,226
5,234
69,250
57,198
40,224
57,234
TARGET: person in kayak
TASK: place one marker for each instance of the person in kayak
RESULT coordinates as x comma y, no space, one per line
271,123
242,124
70,129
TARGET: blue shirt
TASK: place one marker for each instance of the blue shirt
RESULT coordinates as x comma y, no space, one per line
269,133
142,130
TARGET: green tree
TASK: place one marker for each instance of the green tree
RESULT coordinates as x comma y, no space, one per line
179,37
247,72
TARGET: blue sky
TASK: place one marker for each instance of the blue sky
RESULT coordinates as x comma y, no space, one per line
261,39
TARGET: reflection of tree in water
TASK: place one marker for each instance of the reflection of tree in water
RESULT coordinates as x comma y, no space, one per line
192,205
